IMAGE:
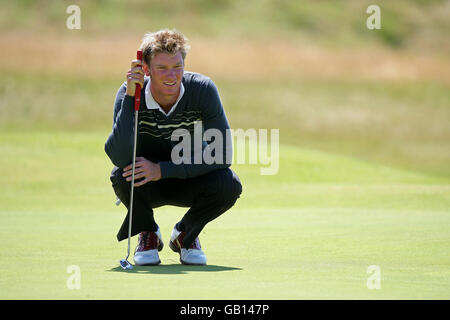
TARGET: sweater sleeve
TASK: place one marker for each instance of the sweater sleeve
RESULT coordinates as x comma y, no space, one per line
213,117
119,145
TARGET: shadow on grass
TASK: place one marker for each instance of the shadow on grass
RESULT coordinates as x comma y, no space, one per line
173,269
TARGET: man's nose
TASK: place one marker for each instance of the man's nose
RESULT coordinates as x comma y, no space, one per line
171,73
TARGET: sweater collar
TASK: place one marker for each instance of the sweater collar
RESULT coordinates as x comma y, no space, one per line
152,104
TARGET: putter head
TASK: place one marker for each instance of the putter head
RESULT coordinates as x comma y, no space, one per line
125,264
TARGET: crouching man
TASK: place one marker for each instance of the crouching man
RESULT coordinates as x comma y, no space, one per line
172,100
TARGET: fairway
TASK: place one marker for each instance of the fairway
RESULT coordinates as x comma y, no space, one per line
310,232
360,205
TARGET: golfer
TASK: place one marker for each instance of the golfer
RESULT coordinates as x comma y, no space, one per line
172,99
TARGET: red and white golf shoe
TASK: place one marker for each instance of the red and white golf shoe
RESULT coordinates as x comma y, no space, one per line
191,256
146,253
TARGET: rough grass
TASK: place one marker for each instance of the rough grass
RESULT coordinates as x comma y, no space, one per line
99,56
405,124
405,24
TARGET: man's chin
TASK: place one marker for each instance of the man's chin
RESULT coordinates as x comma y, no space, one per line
169,91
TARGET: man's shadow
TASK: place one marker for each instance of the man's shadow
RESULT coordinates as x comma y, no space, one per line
173,269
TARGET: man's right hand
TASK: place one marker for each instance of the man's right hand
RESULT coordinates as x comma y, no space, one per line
134,76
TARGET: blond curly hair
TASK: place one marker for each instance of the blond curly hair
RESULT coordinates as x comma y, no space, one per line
165,40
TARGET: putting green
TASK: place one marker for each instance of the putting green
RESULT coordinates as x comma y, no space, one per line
309,232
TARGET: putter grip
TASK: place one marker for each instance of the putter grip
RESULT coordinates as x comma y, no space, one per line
137,93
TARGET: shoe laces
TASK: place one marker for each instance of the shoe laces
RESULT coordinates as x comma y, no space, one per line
148,240
195,244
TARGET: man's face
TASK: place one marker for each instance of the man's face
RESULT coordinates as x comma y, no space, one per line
166,72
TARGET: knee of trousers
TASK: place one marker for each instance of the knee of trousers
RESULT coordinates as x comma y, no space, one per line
226,186
120,185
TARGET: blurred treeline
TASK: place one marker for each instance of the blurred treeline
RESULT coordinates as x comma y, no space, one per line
415,24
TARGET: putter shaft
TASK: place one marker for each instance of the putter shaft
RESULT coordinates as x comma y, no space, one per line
137,100
132,180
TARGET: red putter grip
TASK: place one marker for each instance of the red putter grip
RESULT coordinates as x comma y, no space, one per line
137,93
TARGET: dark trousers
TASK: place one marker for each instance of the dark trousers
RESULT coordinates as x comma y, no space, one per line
207,196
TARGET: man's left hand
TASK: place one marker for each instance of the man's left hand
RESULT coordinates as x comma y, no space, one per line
144,169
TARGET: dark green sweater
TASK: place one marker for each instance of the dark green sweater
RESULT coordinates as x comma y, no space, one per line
200,102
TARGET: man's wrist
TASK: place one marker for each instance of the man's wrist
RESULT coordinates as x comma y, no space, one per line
159,170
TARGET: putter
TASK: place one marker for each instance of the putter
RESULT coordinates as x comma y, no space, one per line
124,263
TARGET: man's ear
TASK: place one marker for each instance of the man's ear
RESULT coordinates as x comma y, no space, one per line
146,69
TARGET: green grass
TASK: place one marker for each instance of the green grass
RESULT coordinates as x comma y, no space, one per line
400,124
309,232
411,24
363,177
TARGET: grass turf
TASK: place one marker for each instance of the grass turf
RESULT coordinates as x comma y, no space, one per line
314,71
309,232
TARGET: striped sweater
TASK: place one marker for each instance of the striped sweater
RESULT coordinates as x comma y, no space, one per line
200,102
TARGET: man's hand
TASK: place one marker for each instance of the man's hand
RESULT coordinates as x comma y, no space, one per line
144,168
134,76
